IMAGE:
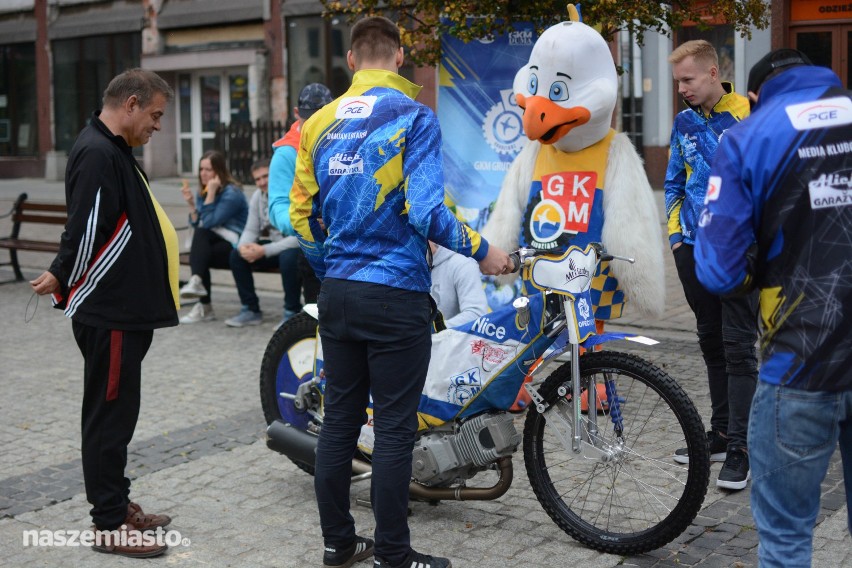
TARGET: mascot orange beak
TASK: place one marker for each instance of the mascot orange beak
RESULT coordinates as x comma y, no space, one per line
546,121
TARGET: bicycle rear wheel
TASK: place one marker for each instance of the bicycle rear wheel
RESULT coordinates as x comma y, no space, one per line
636,499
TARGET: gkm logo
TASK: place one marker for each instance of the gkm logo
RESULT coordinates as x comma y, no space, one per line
464,386
547,221
502,126
355,107
575,193
714,186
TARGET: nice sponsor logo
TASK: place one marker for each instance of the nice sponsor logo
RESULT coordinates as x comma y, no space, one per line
90,537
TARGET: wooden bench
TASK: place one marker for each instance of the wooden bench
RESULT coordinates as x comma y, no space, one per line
31,212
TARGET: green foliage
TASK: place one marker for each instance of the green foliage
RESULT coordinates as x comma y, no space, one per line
422,22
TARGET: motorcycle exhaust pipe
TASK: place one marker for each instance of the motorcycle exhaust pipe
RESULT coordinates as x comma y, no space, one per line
294,443
301,446
425,493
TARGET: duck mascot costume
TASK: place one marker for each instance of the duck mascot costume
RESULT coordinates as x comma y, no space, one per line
578,181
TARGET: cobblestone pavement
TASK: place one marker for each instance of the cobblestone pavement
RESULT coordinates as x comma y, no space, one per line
199,451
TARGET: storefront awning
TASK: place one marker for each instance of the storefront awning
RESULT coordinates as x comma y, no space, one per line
98,19
195,13
18,30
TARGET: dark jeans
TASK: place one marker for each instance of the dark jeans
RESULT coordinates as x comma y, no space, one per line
208,250
286,262
310,282
375,339
727,332
111,394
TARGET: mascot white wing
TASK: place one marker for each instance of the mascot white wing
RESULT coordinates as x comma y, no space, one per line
632,228
502,226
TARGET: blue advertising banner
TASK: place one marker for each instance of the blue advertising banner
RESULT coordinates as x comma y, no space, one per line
480,120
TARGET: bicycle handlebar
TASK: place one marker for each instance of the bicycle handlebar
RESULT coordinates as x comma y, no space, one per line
521,255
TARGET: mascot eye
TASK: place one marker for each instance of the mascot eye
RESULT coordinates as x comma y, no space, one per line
533,86
559,91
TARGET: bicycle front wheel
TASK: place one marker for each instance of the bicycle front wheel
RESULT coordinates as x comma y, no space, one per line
624,494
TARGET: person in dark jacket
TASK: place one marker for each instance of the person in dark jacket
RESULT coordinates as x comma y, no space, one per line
116,277
777,218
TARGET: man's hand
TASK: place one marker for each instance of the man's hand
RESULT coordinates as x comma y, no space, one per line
496,262
251,252
46,283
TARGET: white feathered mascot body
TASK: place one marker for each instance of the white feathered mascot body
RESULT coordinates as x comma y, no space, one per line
577,180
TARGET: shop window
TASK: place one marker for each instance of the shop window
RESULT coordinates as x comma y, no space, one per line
18,116
82,69
316,51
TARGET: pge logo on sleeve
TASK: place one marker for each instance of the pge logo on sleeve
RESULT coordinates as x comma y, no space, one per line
355,107
823,113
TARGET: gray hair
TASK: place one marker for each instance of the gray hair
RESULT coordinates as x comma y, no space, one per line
140,82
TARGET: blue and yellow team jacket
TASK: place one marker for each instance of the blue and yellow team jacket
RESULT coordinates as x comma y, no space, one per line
369,187
694,140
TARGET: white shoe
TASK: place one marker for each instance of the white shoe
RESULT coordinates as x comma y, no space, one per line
199,312
193,289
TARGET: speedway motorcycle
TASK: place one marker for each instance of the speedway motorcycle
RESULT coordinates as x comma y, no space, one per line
598,431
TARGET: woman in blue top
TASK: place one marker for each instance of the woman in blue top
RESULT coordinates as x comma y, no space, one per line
218,213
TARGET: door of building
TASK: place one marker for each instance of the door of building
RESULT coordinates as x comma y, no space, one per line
829,46
206,99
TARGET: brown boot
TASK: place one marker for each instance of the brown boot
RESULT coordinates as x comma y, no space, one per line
128,541
137,517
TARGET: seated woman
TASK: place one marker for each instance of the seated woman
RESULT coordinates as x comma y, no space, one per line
218,213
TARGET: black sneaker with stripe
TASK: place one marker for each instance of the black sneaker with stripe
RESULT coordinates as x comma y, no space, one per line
359,550
416,560
717,443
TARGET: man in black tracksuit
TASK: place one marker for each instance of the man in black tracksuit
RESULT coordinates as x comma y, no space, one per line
116,277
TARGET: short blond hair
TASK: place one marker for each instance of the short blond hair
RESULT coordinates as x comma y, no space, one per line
699,49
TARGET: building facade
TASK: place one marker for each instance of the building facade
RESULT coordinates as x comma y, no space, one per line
246,61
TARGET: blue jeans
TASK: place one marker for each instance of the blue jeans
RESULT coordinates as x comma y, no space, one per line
375,339
286,262
792,435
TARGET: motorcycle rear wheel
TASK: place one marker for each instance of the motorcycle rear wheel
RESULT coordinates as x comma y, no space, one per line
287,362
642,499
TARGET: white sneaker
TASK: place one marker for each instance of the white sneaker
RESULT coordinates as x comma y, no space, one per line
199,312
245,317
193,289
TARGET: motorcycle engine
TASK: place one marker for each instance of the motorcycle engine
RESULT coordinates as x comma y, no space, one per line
441,458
